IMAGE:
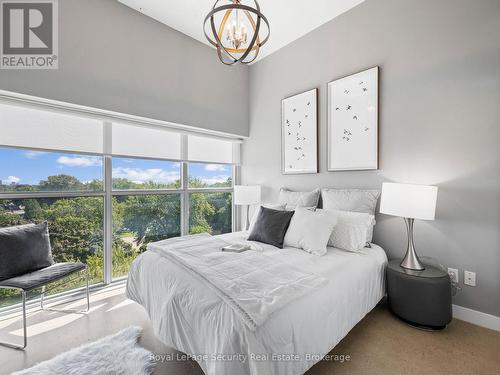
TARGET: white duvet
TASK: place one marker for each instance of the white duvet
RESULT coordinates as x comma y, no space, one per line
252,282
189,315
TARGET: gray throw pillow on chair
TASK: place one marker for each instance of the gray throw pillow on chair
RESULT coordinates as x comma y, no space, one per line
24,249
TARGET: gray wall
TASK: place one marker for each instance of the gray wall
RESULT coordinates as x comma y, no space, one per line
114,58
439,122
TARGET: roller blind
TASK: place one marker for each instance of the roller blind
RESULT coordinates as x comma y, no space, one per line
212,150
23,126
140,141
48,129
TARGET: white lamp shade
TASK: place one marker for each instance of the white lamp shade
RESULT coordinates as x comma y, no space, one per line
246,195
410,201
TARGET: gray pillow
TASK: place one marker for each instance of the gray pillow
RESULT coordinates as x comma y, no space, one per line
357,200
293,199
271,226
24,249
354,200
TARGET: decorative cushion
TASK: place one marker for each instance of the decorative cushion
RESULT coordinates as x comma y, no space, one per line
274,206
310,230
43,276
351,230
23,249
294,199
356,200
270,226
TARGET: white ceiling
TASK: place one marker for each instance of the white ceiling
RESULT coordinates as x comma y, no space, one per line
289,19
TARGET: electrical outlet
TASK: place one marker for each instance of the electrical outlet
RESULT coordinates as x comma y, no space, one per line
469,278
453,272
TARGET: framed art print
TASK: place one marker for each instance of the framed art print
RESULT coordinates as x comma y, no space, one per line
353,122
299,133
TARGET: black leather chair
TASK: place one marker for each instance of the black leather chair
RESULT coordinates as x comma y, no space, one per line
27,264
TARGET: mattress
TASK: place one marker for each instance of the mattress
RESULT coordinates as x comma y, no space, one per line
189,316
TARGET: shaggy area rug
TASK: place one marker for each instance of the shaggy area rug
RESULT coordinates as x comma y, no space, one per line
118,354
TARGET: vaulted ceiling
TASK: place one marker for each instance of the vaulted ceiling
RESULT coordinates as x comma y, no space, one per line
289,19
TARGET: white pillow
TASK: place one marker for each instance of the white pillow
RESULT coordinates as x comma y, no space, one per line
351,230
273,206
310,230
294,199
357,200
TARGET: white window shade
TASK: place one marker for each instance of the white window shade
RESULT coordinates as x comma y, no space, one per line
29,127
212,150
142,141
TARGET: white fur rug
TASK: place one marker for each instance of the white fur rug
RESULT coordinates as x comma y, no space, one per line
118,354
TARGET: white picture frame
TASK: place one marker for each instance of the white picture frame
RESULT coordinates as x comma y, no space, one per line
299,133
353,122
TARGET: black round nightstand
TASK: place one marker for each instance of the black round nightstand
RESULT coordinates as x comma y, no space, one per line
420,298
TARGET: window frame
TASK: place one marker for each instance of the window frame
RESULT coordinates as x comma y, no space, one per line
108,117
187,190
108,193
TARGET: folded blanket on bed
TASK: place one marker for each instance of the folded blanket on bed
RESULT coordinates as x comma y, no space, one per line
254,284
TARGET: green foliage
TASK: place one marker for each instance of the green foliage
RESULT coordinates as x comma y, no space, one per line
76,224
150,216
8,219
199,210
197,183
123,256
32,210
124,184
61,182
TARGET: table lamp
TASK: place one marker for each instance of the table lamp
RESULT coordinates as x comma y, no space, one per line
245,195
410,202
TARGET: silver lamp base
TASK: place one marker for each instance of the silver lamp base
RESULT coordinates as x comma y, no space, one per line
411,261
247,225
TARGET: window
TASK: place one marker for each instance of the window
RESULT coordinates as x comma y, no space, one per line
131,174
210,175
76,232
210,212
138,220
141,217
31,170
108,188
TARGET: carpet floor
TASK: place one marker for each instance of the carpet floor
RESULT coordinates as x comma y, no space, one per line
379,344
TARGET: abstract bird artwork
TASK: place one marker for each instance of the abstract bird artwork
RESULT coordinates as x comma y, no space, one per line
299,133
353,122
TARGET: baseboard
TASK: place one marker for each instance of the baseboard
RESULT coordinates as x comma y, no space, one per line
477,317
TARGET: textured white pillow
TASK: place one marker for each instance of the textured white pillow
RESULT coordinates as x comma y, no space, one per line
310,230
294,199
351,230
274,206
356,200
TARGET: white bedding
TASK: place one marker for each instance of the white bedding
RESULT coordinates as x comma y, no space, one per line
190,316
252,282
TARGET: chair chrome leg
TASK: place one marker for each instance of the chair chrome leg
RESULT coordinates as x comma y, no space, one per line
25,334
42,296
74,310
24,321
87,287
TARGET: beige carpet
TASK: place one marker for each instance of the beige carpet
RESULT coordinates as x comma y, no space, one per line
379,344
382,344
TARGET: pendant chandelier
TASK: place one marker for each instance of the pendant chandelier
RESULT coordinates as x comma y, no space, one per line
236,33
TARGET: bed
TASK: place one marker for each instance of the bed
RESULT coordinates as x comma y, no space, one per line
190,316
